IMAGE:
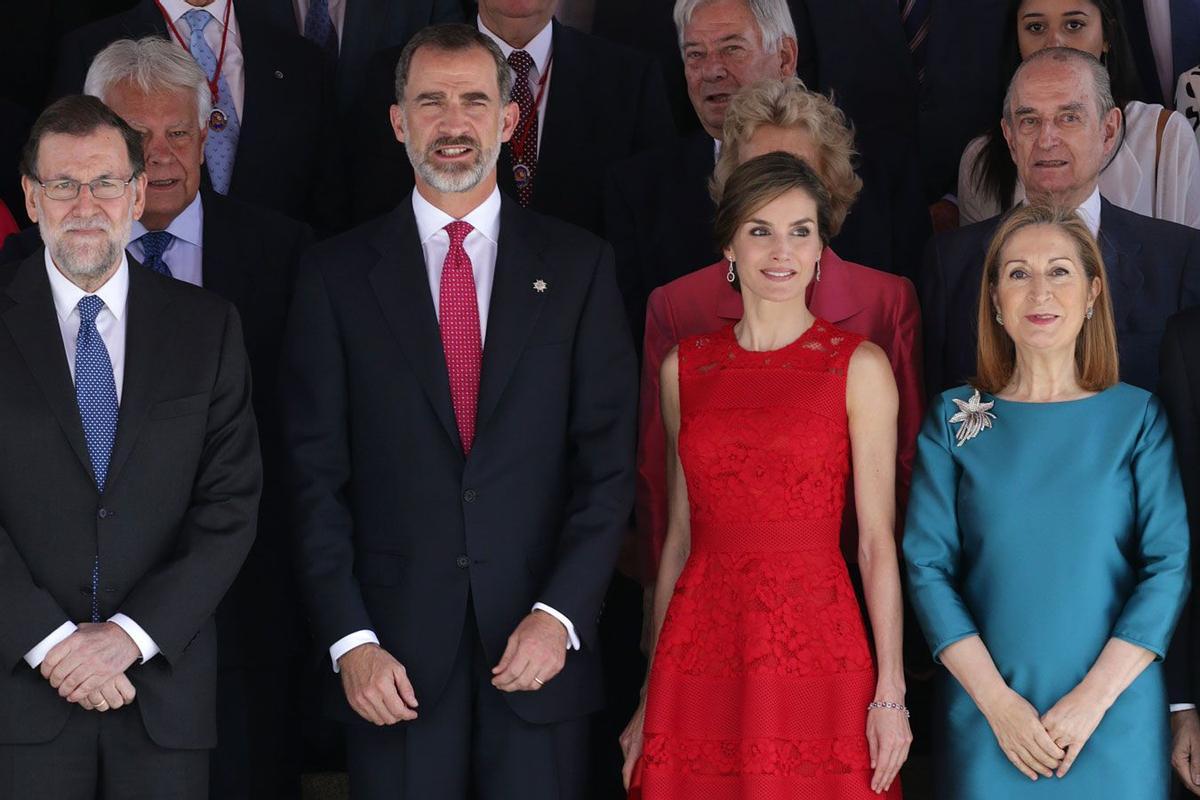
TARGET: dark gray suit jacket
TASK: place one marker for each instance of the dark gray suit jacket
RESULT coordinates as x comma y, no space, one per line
175,520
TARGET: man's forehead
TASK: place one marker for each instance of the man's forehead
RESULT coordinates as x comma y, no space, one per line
434,65
721,19
101,151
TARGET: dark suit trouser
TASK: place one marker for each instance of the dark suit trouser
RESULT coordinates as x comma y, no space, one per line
102,755
470,744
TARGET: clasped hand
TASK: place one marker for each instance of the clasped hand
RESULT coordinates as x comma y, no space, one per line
1046,745
379,690
88,667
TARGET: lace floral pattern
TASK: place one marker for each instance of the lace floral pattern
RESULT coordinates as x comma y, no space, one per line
762,668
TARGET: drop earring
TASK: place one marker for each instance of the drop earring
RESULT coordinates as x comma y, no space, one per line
999,319
818,275
1089,313
730,275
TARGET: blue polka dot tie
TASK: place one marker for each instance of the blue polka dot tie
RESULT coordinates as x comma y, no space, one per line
154,244
318,27
96,394
221,146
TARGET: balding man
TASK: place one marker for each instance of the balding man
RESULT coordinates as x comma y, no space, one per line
1061,125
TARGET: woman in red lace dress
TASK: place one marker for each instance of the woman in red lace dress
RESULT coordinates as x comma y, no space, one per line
762,684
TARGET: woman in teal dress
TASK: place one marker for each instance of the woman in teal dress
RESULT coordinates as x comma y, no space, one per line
1047,540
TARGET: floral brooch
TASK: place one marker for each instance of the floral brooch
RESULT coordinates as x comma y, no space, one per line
974,415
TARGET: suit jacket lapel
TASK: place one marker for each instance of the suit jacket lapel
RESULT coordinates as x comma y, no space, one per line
833,298
514,306
146,328
401,284
1120,247
33,325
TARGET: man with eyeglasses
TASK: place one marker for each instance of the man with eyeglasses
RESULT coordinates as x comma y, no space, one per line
247,255
129,484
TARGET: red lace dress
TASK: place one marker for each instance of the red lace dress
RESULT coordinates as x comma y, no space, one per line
762,674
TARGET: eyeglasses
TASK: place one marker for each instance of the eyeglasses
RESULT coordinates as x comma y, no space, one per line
101,188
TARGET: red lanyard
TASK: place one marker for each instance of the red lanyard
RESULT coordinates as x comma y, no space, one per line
213,82
520,139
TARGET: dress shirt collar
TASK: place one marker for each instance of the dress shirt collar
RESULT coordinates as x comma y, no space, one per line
538,47
1089,212
114,292
177,8
188,226
484,218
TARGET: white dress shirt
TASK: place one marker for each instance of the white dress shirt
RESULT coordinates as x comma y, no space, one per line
110,323
1089,212
540,50
337,14
184,256
481,245
233,65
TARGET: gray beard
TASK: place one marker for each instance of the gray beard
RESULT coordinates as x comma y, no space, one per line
456,180
87,263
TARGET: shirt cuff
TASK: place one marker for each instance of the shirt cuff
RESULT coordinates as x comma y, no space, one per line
147,646
1182,707
572,638
37,655
347,643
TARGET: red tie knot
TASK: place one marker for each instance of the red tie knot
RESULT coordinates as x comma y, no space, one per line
521,62
458,231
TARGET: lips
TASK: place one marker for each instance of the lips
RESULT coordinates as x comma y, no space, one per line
1042,319
1050,163
778,275
717,99
164,183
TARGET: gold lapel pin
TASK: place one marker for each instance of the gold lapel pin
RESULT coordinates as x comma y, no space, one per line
540,286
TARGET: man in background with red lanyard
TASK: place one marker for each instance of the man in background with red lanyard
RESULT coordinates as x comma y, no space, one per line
270,132
585,103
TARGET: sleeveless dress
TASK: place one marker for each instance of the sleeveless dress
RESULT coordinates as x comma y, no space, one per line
762,672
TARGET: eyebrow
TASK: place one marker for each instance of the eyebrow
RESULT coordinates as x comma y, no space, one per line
733,37
1076,13
757,221
1073,106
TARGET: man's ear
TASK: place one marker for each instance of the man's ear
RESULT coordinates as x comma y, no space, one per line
396,115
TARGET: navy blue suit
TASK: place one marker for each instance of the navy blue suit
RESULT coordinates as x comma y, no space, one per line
1153,271
860,53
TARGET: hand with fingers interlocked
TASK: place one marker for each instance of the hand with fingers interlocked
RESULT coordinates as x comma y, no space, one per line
88,667
1022,736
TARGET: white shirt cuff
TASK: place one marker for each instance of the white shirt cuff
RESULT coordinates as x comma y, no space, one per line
347,643
37,655
147,646
1182,707
572,638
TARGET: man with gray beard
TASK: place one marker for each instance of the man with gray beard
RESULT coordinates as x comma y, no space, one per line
129,484
459,388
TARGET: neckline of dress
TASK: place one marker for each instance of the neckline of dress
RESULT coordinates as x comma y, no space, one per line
807,332
1048,403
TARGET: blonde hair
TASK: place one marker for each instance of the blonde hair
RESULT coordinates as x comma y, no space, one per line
1095,347
788,103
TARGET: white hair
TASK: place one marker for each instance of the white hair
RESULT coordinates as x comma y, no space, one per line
152,64
773,18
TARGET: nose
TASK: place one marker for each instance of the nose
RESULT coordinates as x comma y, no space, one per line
1048,135
85,204
713,68
1039,287
1055,39
155,148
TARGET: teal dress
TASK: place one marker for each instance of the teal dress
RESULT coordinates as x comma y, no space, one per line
1057,528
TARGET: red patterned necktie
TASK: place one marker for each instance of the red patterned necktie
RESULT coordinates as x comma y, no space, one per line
458,317
524,143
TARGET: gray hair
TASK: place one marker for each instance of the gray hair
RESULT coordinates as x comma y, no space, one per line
152,64
1101,85
453,38
773,18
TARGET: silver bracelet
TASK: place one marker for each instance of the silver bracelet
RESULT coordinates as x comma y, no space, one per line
892,706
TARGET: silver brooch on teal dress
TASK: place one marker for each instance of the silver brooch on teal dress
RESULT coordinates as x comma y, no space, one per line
974,415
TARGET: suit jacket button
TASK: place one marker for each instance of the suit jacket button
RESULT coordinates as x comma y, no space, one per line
463,562
469,495
104,513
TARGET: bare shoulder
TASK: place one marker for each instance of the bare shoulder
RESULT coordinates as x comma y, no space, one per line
869,373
